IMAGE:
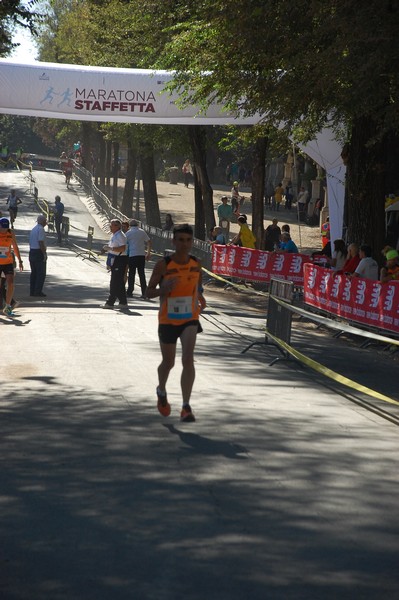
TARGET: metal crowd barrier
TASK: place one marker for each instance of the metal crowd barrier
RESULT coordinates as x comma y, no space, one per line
279,318
160,240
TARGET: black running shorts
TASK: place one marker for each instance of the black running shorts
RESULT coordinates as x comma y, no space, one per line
169,334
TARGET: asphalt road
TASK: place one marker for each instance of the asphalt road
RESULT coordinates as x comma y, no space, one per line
282,489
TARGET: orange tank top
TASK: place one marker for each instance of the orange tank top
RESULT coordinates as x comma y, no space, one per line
6,239
181,305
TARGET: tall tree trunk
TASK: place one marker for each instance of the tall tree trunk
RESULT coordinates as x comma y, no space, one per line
115,173
372,174
128,191
153,216
197,137
86,145
199,221
101,160
258,190
108,162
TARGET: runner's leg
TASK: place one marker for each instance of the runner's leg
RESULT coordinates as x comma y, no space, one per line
10,288
188,339
168,352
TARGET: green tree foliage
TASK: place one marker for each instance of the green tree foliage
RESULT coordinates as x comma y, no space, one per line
19,132
305,64
15,13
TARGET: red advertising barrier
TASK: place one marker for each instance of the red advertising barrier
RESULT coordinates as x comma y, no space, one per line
356,299
257,265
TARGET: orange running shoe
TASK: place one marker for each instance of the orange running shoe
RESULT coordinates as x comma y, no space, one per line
163,404
186,414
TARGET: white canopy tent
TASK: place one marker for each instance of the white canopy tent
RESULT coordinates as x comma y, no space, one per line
105,94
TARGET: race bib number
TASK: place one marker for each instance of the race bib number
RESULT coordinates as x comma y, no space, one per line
180,307
4,252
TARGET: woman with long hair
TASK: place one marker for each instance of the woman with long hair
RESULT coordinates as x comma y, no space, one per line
339,255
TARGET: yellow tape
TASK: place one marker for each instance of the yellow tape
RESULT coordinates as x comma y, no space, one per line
339,326
329,373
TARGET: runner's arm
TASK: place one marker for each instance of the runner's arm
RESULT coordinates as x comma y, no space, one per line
16,251
153,291
201,298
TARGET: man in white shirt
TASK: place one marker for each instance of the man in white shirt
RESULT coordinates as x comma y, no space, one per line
302,201
367,268
116,261
139,246
38,257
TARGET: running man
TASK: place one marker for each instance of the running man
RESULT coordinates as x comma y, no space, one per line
13,200
8,245
68,169
177,280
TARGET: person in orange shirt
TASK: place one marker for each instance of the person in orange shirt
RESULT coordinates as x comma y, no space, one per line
8,245
177,280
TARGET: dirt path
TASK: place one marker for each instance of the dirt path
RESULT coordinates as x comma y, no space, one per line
179,201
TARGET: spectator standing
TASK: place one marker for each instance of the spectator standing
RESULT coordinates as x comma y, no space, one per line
168,223
235,196
325,232
38,257
302,202
8,246
289,196
391,271
187,172
367,267
58,214
116,261
225,214
272,236
139,245
278,195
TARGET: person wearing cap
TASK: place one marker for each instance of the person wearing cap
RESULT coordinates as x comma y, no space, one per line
235,196
38,257
225,214
391,271
58,214
8,246
139,247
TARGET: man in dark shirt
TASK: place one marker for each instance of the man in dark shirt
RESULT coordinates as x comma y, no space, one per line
272,235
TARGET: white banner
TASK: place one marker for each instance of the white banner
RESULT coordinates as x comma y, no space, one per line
83,93
105,94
